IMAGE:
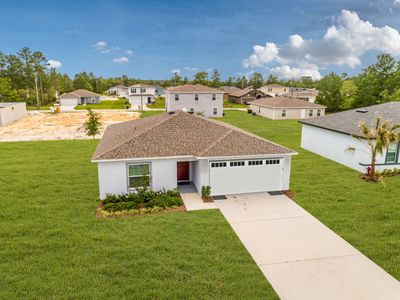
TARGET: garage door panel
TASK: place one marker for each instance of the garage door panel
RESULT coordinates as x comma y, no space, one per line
245,179
68,102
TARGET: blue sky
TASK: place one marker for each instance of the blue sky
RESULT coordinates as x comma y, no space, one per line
148,39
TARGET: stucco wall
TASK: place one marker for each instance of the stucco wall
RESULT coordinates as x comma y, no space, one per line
204,105
333,145
137,100
11,111
291,113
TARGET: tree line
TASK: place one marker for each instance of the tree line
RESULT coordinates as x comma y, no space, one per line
27,76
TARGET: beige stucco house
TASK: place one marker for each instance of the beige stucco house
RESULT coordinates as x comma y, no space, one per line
274,90
280,108
246,95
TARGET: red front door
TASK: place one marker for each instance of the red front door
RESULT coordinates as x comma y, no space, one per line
183,171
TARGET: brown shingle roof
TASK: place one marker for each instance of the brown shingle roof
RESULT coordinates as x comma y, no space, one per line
229,89
285,102
193,88
180,134
348,121
241,93
79,93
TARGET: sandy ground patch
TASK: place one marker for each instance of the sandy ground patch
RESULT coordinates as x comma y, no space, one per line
61,126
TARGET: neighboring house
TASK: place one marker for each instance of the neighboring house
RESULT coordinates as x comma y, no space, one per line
179,147
229,90
274,90
332,135
308,95
11,111
195,98
142,94
118,90
246,95
78,97
278,108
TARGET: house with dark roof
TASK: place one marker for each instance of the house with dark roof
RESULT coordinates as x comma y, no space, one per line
181,148
246,95
333,135
281,108
78,97
195,98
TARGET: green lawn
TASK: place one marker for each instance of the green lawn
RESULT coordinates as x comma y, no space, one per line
106,104
229,104
365,214
45,107
53,247
160,103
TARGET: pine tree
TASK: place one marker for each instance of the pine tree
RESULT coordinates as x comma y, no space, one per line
93,125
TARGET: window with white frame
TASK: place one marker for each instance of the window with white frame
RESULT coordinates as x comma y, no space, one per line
392,153
176,97
272,161
237,163
310,113
255,162
318,112
218,164
215,111
133,90
196,97
214,97
143,90
283,112
191,110
139,175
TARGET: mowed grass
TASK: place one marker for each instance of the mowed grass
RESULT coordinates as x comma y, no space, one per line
106,104
159,103
53,247
365,214
230,104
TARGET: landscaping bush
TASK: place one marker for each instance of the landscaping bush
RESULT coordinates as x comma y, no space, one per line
142,198
205,191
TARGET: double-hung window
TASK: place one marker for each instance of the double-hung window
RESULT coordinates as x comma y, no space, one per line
215,111
283,112
139,175
176,97
133,90
310,113
196,97
318,112
214,97
143,90
392,153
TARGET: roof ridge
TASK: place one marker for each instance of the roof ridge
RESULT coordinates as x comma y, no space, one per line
136,136
215,142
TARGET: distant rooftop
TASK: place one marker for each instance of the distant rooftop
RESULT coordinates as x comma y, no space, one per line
285,102
193,88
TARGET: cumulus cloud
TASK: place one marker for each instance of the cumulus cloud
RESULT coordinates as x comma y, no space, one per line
54,63
176,71
344,43
128,52
100,46
121,60
305,69
396,2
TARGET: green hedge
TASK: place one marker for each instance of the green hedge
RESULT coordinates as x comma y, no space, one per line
142,198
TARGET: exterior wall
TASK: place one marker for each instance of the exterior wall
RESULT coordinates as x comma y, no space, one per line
118,91
149,90
274,91
204,105
89,100
11,111
291,113
136,100
333,145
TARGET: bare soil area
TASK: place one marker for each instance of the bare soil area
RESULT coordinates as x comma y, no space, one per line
61,126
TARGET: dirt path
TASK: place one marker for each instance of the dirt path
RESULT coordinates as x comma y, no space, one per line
62,126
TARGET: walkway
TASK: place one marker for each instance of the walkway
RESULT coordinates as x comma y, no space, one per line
192,199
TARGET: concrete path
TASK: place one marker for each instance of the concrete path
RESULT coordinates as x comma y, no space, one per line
193,200
301,257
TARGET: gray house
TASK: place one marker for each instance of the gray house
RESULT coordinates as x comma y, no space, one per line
79,97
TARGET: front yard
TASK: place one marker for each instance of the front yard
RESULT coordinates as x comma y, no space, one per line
121,103
54,247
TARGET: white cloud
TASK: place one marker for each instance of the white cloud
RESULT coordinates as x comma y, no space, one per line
54,63
128,52
121,60
344,43
288,72
190,69
396,2
100,46
177,71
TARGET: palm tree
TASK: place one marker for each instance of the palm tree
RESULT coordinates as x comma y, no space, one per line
377,138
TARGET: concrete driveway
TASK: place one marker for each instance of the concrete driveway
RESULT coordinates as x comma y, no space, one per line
301,257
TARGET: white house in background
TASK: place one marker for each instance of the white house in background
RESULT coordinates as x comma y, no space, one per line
179,147
195,99
142,94
78,97
274,90
332,135
280,108
308,95
11,112
118,91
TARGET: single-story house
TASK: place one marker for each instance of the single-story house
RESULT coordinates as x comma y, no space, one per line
195,98
332,135
279,108
308,95
78,97
228,89
274,90
246,95
11,112
118,90
178,147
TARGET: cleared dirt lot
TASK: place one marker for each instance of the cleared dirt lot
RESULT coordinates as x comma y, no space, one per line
61,126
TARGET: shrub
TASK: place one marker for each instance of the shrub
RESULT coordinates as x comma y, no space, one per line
205,191
249,110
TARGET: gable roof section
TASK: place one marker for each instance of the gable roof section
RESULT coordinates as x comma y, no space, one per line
285,102
193,88
180,134
229,89
79,93
348,122
241,93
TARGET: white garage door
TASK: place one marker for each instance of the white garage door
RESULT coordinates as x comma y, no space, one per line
69,102
245,176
